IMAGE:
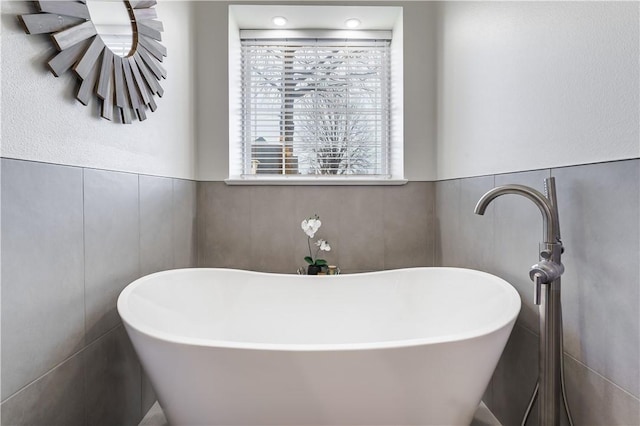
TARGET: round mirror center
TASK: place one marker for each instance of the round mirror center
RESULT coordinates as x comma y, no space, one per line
113,23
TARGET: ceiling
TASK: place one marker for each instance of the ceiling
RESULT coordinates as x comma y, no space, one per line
258,17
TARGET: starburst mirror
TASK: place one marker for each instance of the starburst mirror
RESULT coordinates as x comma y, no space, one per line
113,46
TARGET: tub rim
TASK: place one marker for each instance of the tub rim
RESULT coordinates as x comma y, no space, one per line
509,316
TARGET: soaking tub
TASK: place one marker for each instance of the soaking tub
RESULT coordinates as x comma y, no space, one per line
411,346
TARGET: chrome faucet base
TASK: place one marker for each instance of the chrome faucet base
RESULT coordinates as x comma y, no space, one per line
550,389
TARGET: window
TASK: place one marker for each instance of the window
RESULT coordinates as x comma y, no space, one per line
315,101
315,107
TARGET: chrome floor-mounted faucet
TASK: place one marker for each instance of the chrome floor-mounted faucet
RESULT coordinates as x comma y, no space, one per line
550,389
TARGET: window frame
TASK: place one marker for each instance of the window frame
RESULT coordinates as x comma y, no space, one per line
396,148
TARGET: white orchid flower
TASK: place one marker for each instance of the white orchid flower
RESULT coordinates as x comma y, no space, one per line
311,226
324,246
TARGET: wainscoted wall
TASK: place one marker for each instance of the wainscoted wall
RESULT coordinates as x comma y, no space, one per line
368,227
599,210
72,239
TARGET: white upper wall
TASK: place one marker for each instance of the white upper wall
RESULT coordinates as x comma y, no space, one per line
419,27
528,85
42,120
489,87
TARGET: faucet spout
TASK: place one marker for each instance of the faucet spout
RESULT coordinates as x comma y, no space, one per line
551,229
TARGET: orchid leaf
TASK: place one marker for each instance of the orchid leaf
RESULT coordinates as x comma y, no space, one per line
309,260
321,262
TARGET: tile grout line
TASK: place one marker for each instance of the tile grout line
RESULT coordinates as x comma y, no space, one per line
64,361
582,364
85,343
1,279
196,226
173,224
84,290
139,217
590,370
97,168
493,226
433,180
593,163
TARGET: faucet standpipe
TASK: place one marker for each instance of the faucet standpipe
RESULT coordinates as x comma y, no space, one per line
550,389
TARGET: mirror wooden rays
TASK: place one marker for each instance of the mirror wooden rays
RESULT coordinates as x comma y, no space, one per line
125,86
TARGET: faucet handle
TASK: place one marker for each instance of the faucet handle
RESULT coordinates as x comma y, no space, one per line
537,290
544,272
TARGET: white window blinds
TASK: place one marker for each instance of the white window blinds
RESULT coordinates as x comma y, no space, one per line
315,107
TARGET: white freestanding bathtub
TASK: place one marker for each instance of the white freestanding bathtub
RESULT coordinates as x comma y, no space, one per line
404,347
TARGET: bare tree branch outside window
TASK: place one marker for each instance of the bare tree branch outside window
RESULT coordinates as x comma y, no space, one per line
338,133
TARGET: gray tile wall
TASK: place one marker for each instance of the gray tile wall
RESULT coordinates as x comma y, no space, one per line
599,210
72,239
368,227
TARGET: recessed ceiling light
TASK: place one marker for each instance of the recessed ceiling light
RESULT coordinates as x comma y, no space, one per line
279,21
352,23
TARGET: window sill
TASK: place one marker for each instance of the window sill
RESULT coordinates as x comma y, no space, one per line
314,181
